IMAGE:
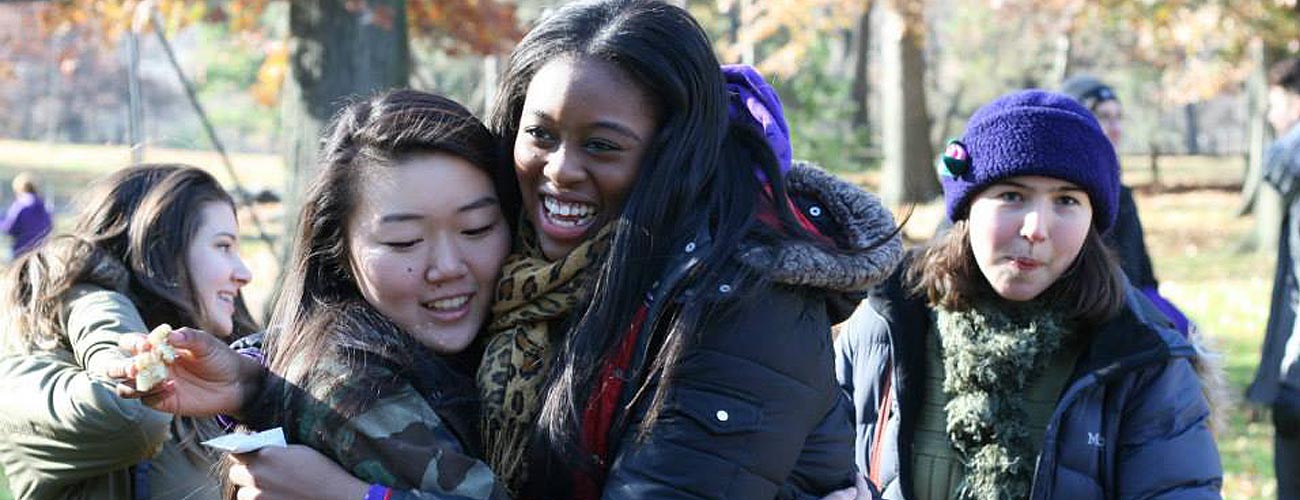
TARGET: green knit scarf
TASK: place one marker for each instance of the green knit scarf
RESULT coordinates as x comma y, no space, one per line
991,353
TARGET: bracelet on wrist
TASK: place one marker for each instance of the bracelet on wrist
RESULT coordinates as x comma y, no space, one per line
379,492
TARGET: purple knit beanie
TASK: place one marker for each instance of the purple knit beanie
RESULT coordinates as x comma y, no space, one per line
1032,132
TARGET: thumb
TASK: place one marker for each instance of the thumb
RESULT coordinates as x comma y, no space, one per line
197,342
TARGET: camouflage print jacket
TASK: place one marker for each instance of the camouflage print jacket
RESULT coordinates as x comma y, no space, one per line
408,424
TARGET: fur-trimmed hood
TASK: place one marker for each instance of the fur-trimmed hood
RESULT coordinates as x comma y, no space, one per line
866,246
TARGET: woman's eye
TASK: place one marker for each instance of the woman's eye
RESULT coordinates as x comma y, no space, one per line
1068,200
402,244
539,134
1009,196
225,246
601,146
479,231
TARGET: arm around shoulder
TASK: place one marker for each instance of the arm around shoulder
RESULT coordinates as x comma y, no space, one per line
398,441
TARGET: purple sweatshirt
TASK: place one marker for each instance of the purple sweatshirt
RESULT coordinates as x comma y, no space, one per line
27,221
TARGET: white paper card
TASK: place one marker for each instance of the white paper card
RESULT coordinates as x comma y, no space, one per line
244,443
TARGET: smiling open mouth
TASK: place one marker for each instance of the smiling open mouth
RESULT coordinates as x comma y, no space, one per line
447,305
569,214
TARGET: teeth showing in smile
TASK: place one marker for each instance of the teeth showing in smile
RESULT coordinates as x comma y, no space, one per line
567,213
451,304
226,296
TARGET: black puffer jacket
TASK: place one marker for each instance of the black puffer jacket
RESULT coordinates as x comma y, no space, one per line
753,410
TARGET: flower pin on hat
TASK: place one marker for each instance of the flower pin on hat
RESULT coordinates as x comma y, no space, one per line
956,160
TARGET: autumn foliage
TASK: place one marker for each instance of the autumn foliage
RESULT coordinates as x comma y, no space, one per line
458,26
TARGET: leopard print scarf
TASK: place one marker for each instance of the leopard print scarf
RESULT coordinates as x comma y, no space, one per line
991,353
533,296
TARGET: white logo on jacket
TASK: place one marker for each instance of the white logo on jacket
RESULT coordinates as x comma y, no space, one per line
1095,440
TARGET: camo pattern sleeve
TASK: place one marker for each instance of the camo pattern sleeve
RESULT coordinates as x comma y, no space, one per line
395,439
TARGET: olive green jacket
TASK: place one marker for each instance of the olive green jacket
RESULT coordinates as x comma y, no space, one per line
65,434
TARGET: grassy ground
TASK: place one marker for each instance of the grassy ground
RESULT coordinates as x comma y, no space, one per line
1192,235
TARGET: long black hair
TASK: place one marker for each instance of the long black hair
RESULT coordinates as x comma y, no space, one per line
698,174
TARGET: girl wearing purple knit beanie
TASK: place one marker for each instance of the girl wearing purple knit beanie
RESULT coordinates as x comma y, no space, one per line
1011,358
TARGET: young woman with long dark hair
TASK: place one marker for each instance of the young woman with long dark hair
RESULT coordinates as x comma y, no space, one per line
401,241
689,273
154,244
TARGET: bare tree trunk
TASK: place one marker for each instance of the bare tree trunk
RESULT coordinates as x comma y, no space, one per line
908,175
336,52
1192,139
950,114
1257,197
745,10
861,53
1062,61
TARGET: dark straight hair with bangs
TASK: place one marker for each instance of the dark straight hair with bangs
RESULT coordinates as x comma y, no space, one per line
698,174
320,306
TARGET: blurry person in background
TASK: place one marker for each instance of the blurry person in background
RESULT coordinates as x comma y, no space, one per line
1277,381
28,220
1127,238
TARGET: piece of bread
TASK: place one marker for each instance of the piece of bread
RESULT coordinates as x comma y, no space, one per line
151,366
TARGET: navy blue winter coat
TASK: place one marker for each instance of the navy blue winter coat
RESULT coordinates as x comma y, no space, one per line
1131,423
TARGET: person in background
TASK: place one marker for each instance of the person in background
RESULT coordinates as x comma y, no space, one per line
28,220
1277,380
1010,358
1127,238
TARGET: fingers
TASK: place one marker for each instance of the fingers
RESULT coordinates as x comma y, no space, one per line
198,342
158,397
119,370
844,494
134,343
239,473
241,476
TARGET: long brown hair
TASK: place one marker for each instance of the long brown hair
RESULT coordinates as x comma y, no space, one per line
946,274
129,237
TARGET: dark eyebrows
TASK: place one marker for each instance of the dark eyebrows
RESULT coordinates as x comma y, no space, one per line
399,217
1063,188
618,128
486,201
615,127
